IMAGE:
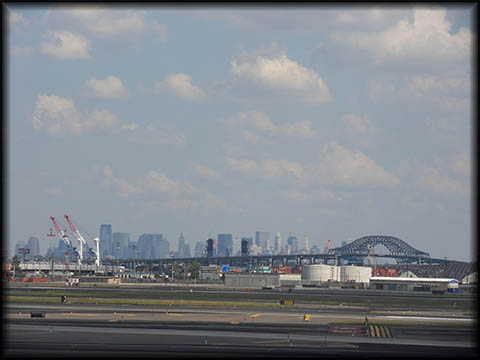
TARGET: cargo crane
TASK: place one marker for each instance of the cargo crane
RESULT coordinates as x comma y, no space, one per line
329,242
93,251
64,237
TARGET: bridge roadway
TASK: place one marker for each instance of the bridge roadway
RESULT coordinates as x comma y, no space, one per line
269,260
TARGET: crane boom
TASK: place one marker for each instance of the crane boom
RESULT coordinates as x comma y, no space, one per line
62,234
82,242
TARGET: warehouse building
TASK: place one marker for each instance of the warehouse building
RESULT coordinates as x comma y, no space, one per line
243,280
414,284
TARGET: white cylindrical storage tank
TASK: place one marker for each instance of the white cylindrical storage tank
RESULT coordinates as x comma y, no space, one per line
316,273
358,274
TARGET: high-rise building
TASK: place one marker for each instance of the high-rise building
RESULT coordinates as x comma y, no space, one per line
210,243
249,240
34,245
161,246
225,245
120,243
244,247
183,249
262,240
199,248
105,240
306,244
19,245
293,242
277,244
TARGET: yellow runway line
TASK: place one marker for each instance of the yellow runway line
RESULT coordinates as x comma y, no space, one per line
377,331
387,330
119,314
382,330
77,314
372,330
255,315
175,314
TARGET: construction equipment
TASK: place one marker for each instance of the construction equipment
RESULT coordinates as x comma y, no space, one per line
329,242
64,237
93,251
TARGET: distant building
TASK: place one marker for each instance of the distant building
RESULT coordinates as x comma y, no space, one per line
225,245
34,245
293,243
183,249
262,240
106,239
20,245
277,244
244,247
210,243
120,243
199,248
306,248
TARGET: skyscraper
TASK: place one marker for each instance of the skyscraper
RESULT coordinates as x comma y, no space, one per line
183,249
120,243
105,240
277,245
262,239
34,245
293,242
244,247
225,245
199,248
307,249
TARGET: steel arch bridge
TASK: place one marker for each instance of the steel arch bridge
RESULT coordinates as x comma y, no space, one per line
358,249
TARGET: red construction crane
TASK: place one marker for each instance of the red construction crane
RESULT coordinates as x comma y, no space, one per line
329,242
51,233
62,234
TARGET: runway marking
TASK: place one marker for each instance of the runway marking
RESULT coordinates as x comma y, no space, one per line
234,322
372,330
382,330
171,314
255,315
126,314
270,341
77,314
387,330
377,331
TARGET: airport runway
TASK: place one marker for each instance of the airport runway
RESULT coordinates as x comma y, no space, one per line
119,331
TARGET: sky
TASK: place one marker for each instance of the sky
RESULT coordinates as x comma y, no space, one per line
330,122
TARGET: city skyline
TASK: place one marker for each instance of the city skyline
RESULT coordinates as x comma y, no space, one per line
333,122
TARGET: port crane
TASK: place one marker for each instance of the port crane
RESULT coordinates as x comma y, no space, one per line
93,251
64,237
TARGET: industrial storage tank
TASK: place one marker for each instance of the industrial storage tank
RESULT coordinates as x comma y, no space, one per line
317,273
358,274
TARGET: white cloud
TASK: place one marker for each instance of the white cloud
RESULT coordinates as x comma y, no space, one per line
205,171
161,30
346,18
461,163
432,180
110,88
120,185
161,183
262,123
55,191
380,89
105,23
131,126
360,127
66,46
180,85
421,84
16,19
340,165
427,37
294,195
58,115
280,73
154,136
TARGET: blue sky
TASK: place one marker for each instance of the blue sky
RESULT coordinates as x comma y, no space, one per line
334,123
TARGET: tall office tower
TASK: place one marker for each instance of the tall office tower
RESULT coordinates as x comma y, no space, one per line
182,247
105,240
161,247
145,246
244,247
20,245
262,239
249,240
186,251
277,244
34,245
210,247
120,243
225,245
61,250
307,249
293,242
199,248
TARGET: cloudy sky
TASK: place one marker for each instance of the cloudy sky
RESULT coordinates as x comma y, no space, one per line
334,123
